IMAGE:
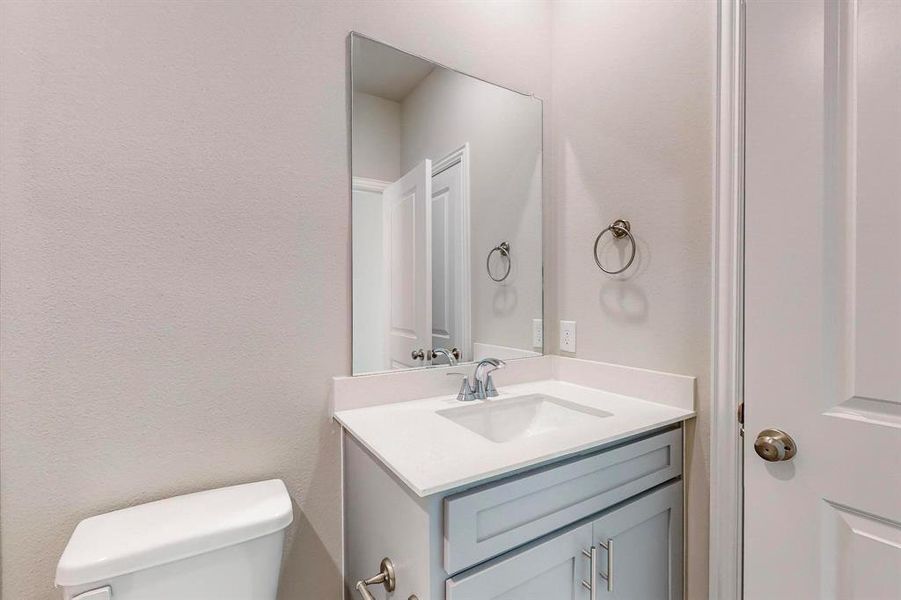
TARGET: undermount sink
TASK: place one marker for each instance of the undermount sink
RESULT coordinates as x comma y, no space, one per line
522,416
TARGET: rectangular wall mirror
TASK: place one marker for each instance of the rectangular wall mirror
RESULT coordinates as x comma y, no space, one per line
446,207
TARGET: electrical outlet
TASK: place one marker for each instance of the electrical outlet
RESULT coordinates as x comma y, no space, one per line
537,333
568,336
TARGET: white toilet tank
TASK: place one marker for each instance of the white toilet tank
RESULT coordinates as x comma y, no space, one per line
223,544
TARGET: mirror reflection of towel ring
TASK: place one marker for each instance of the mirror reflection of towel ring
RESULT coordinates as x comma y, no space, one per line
504,249
619,229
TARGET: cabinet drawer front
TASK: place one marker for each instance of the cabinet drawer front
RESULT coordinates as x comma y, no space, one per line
487,521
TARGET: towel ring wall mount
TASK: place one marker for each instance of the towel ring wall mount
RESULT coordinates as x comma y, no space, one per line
618,229
504,249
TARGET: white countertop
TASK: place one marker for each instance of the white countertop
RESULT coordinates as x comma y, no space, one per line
433,454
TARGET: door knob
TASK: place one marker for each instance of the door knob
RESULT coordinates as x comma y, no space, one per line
773,445
418,354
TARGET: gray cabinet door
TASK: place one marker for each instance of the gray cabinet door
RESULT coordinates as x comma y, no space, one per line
646,536
489,520
549,570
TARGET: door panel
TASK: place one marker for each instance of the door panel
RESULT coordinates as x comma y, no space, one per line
450,273
647,547
862,558
553,569
407,233
823,298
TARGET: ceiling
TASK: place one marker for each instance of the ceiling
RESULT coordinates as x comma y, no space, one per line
386,72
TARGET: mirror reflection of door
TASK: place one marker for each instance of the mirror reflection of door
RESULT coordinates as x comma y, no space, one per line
407,266
450,256
422,267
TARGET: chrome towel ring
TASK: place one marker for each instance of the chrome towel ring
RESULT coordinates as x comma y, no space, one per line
619,229
504,249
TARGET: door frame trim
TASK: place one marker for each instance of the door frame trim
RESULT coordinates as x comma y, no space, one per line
726,477
368,184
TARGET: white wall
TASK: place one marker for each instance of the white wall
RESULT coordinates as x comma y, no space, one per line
503,129
369,318
632,120
376,137
175,252
376,155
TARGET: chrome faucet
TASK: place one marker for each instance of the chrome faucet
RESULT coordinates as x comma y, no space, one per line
482,377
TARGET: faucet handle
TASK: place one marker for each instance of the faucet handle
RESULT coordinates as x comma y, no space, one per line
490,390
465,394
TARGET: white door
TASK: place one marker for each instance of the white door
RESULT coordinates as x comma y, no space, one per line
408,265
823,298
450,272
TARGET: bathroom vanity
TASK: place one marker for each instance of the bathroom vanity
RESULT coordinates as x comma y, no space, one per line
564,482
520,495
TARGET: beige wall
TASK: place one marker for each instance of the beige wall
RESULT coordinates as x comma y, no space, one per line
175,251
376,138
632,118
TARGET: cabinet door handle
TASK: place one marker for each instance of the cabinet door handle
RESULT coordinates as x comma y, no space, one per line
609,576
591,584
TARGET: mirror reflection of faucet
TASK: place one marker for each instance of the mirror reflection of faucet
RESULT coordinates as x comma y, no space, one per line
452,355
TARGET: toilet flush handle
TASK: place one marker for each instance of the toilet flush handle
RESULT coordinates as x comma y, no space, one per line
104,593
385,577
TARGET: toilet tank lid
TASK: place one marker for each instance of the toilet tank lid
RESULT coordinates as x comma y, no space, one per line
156,533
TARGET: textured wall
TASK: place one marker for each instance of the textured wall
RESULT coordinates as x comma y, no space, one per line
633,110
175,252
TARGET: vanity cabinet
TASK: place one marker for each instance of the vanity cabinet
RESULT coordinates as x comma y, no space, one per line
526,536
638,547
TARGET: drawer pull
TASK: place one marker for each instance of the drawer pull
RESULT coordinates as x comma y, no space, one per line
591,584
609,576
